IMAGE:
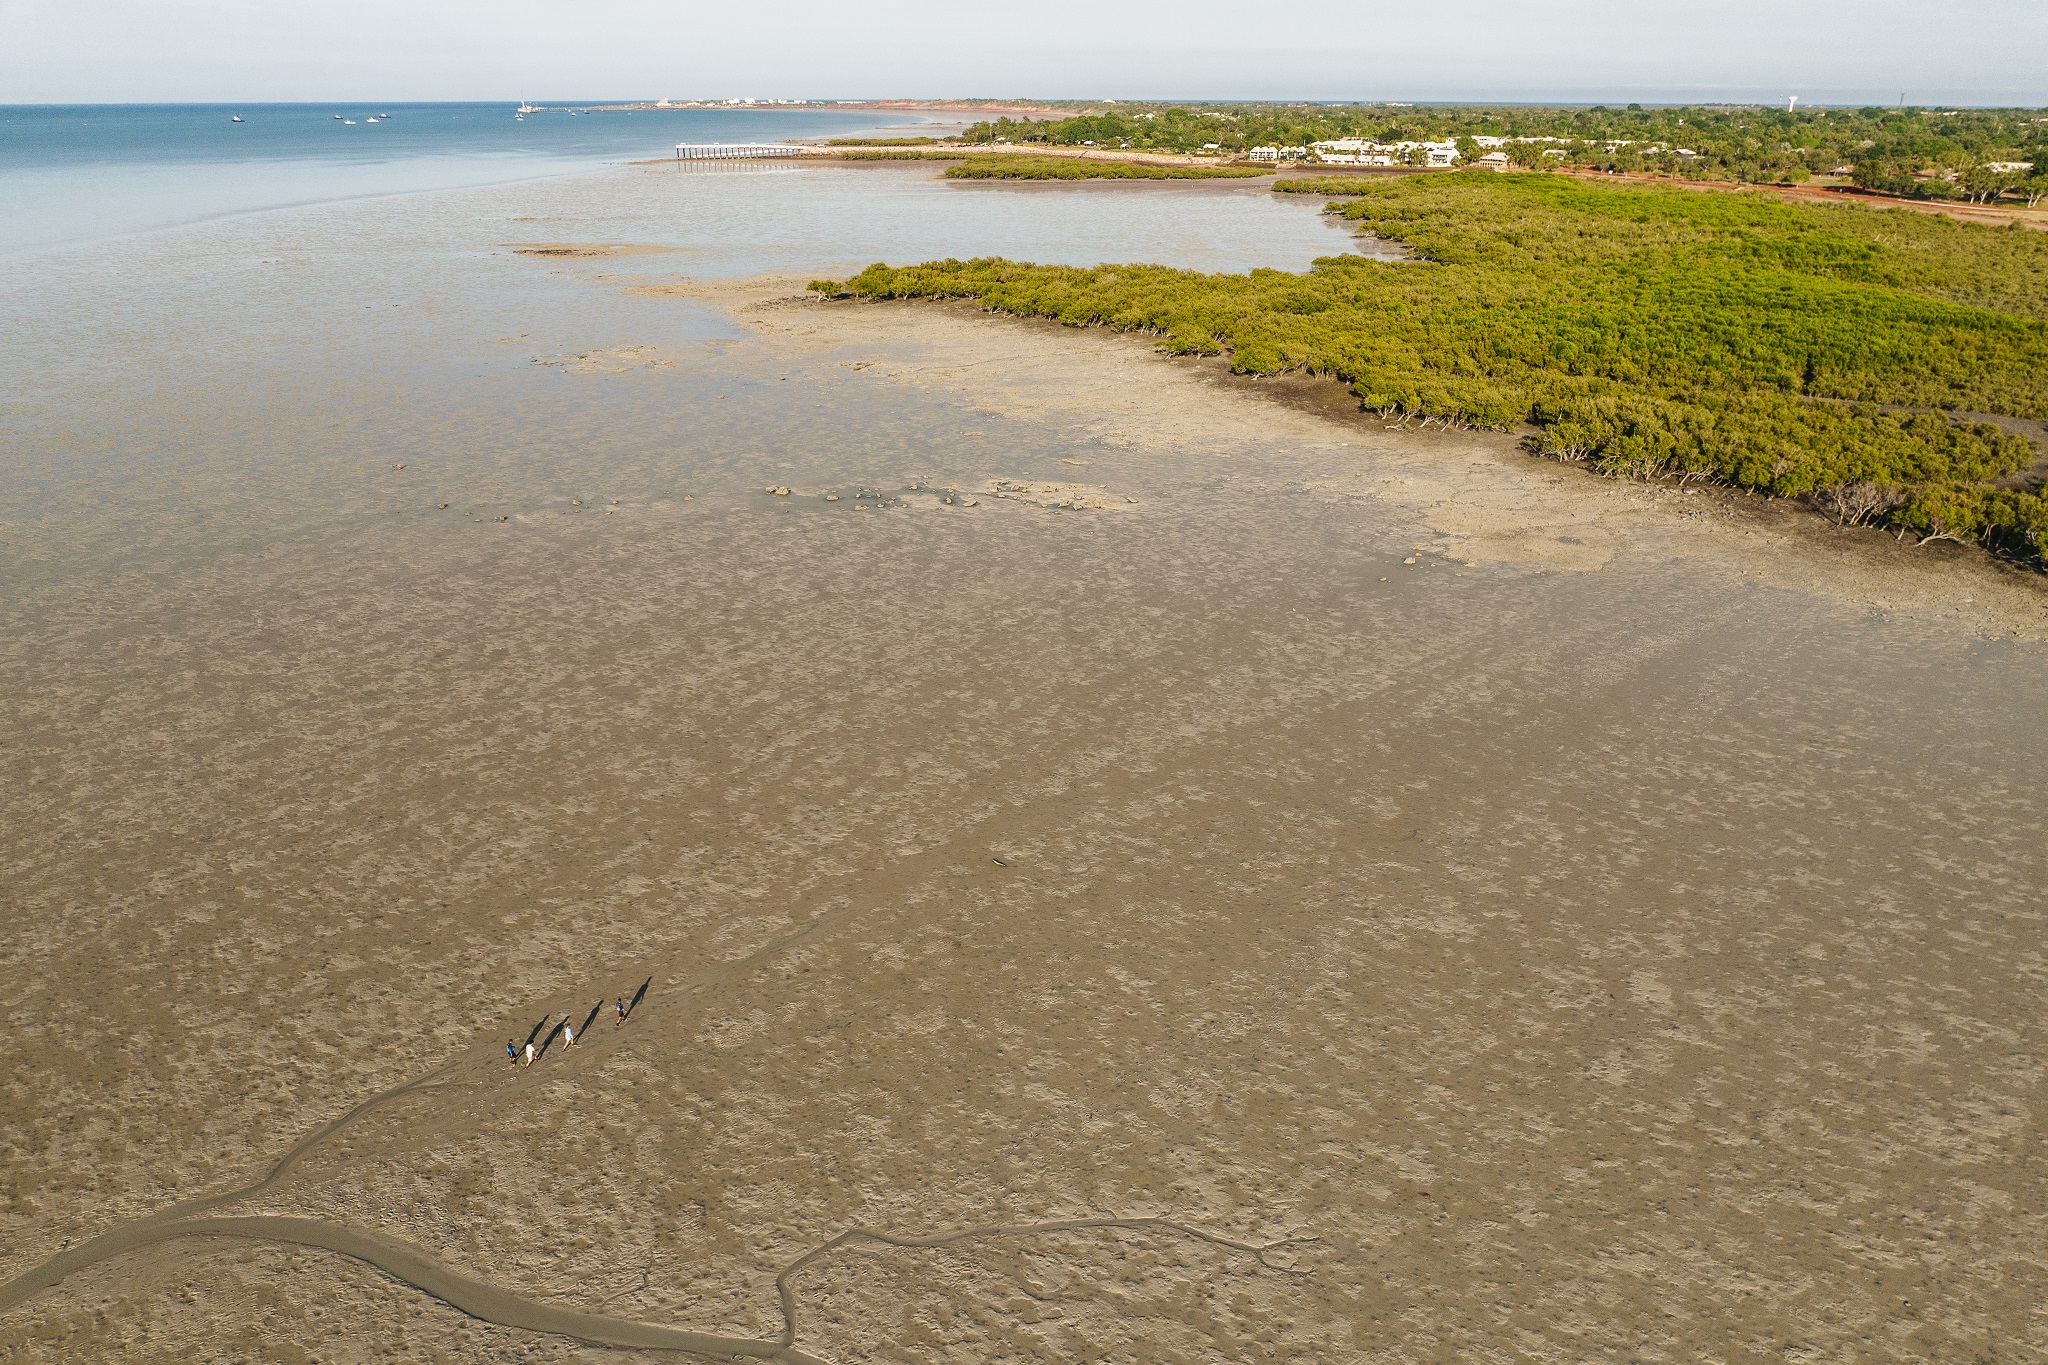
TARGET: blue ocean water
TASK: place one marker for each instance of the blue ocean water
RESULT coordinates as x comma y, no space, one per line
73,174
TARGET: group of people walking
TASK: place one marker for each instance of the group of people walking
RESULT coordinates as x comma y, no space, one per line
528,1055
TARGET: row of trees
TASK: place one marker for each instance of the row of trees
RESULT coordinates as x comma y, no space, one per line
1169,128
1025,167
1808,352
1921,152
1977,185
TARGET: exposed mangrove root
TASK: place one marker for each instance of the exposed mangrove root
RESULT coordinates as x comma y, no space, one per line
1405,419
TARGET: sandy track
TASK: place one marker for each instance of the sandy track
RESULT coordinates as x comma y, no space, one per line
417,1269
489,1303
410,1266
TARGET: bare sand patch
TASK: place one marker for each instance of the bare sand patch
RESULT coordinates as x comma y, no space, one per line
591,251
1475,496
609,360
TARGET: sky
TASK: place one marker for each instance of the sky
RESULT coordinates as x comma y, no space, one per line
1824,51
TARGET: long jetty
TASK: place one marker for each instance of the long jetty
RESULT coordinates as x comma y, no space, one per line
738,151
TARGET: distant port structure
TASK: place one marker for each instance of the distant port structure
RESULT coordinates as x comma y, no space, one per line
738,151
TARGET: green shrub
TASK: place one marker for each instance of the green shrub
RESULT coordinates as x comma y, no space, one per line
1649,332
855,154
1023,166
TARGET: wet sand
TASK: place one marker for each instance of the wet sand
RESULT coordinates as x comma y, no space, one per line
1149,919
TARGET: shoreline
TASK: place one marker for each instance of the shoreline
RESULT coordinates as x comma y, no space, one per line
942,148
1983,214
1504,506
856,107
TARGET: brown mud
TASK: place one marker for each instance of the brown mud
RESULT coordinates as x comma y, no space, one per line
1284,889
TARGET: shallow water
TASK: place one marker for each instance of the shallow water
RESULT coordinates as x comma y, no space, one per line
1516,936
71,174
299,317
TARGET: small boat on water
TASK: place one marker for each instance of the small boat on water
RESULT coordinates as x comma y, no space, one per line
234,118
348,123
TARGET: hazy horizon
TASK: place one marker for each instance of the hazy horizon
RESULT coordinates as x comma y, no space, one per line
1566,101
1979,52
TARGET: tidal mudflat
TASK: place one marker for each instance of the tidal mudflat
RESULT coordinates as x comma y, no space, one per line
1130,869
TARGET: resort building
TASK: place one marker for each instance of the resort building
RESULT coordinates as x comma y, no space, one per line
1358,151
1354,151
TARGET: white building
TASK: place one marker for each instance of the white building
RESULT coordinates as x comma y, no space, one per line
1358,151
1278,154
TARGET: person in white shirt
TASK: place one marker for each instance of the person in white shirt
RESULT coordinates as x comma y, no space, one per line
568,1035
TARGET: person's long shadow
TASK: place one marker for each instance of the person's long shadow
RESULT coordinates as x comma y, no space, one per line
549,1041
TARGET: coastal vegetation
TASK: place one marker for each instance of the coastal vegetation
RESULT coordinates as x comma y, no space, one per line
1974,154
897,154
882,142
1820,352
1016,166
1025,166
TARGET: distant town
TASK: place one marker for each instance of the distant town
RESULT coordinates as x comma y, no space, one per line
1979,156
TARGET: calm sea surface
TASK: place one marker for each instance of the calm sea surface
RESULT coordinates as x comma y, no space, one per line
76,173
127,333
